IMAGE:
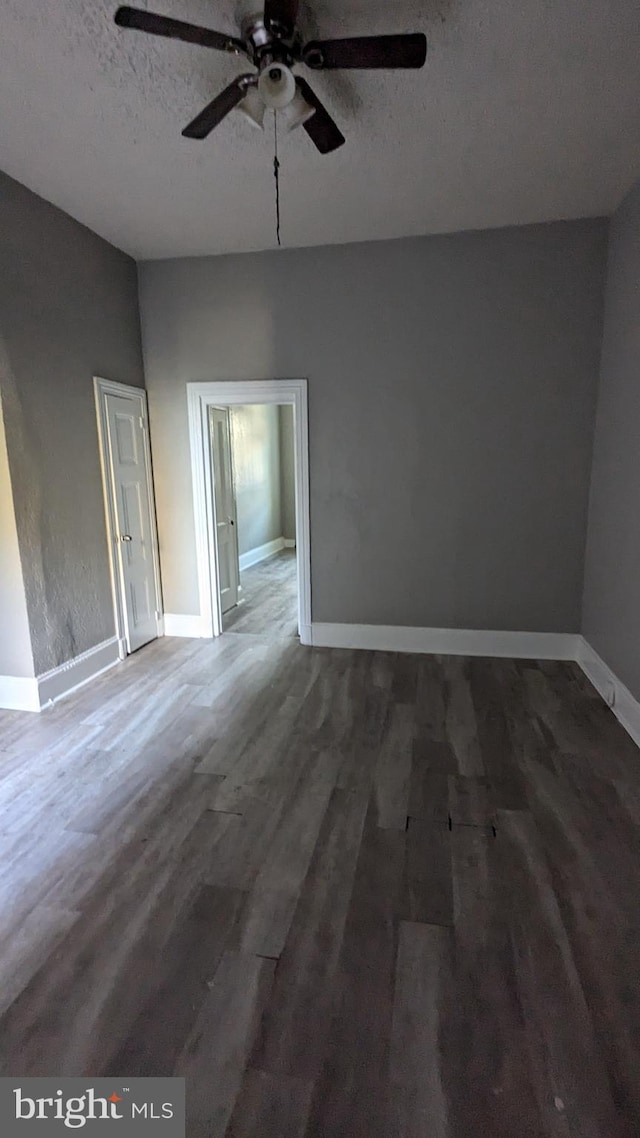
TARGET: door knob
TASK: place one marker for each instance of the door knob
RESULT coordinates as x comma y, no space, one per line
126,537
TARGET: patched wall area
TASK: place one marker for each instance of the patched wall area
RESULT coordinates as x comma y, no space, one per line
15,642
611,614
68,311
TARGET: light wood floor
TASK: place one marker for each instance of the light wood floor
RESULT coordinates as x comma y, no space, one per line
269,598
345,894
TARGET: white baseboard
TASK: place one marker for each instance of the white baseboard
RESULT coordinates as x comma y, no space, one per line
447,641
177,624
624,705
19,693
471,642
74,673
34,693
289,542
261,552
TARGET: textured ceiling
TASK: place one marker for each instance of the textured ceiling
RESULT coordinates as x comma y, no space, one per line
524,112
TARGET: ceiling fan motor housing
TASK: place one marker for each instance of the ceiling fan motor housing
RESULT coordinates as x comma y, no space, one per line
264,42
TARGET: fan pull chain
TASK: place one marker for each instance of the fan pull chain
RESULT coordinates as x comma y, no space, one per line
276,173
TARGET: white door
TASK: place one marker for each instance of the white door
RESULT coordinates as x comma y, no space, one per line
225,507
133,530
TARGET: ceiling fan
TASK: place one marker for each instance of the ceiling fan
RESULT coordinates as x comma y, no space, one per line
273,44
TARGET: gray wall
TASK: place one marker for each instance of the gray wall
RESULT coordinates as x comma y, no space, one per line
68,311
15,642
611,613
287,473
255,439
452,391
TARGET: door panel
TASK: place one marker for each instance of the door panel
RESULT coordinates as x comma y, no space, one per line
134,533
225,507
127,450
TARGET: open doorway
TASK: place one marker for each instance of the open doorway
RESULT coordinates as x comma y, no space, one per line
253,461
249,456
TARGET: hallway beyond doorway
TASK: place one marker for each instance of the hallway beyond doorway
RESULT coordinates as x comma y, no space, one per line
269,602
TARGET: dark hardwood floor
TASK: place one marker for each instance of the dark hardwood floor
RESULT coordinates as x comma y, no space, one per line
344,894
269,602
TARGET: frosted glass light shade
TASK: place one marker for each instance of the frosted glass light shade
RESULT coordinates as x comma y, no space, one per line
297,112
252,108
277,86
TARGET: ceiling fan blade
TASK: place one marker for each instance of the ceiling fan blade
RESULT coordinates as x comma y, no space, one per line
367,51
322,130
219,108
176,30
281,15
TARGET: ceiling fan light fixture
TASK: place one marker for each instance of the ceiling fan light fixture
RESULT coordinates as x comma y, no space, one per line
277,86
297,112
270,40
252,108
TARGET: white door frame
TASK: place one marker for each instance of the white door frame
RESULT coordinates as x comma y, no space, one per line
228,393
103,387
